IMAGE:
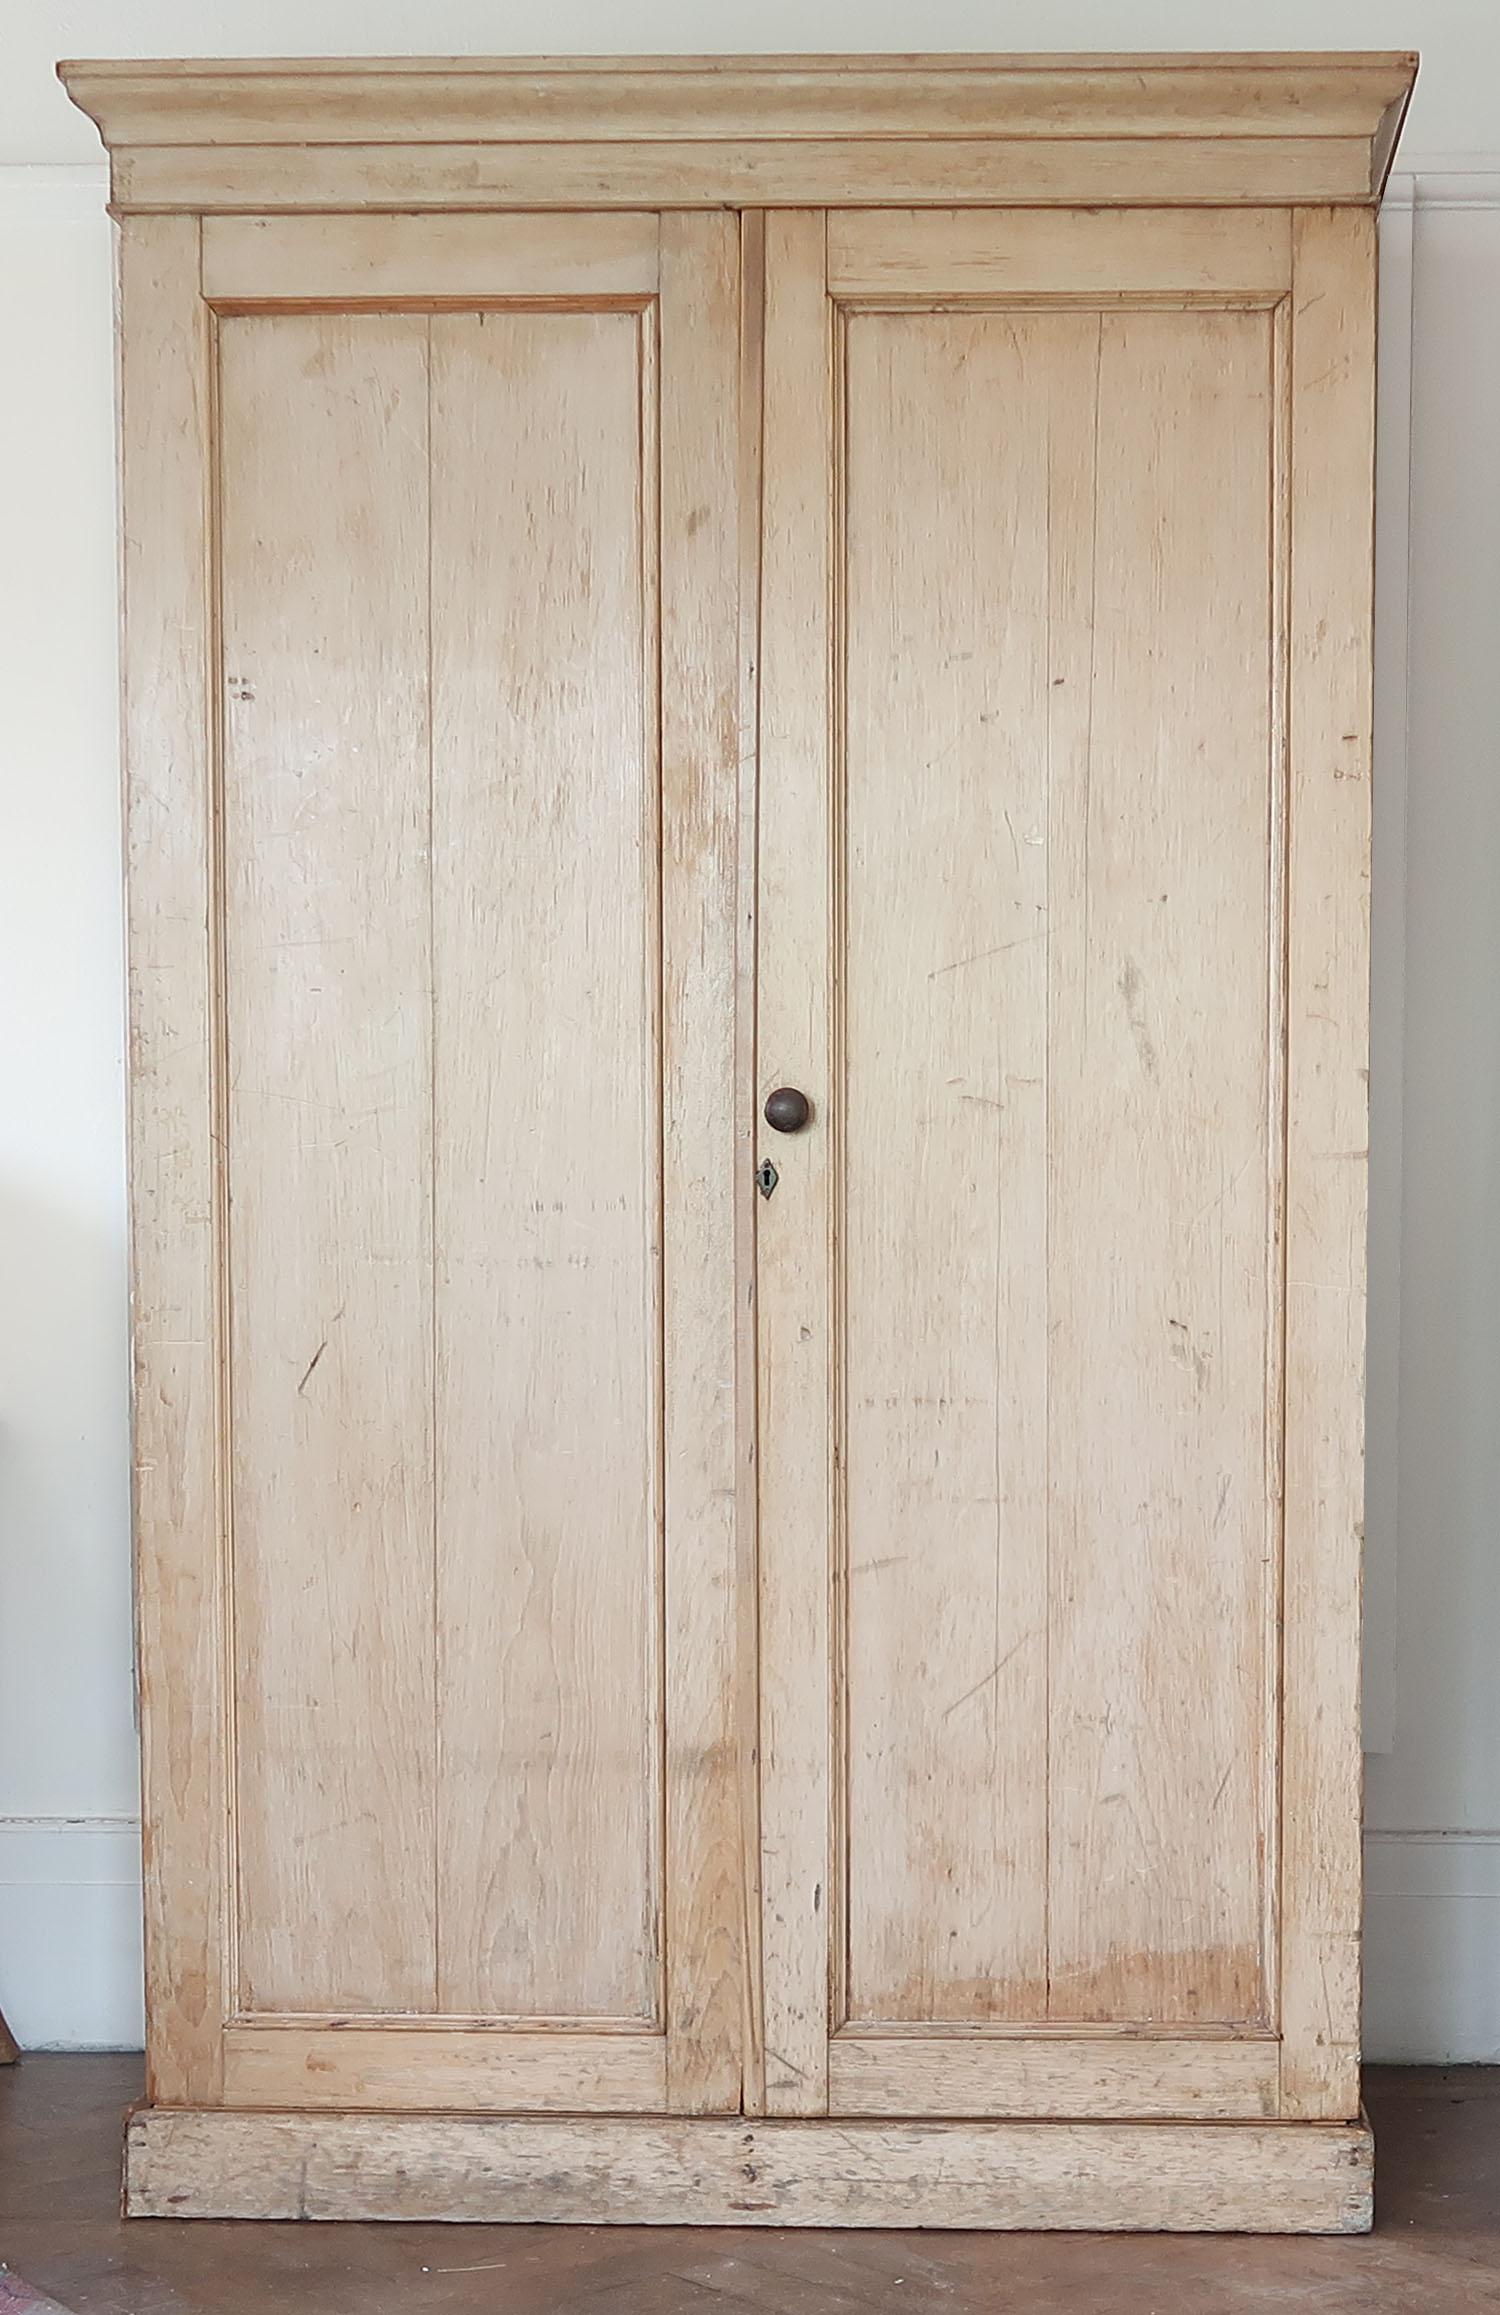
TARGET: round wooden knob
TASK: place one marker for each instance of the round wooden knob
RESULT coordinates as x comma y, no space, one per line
787,1110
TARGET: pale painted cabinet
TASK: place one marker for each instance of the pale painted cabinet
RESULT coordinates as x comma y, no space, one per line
694,1671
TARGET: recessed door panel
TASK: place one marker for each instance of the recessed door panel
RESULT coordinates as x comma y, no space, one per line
441,850
1056,1162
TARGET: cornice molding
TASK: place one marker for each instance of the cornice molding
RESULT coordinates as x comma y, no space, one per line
341,133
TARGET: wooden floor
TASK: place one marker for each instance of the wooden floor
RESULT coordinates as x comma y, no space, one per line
1435,2251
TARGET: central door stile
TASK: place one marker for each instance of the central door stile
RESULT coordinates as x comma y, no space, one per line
794,1277
747,1129
700,712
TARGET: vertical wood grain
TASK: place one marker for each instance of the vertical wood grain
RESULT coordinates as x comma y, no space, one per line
793,1248
1391,653
547,1197
704,1186
1159,1196
1332,461
175,1188
752,318
943,1312
324,668
1058,1144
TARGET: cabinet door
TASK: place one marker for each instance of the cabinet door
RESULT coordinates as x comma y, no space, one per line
439,1667
1061,928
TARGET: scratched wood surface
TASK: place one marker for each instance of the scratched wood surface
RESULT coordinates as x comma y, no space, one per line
1332,449
177,1188
446,874
323,460
595,1734
1048,1172
682,132
706,1186
793,1336
389,100
1197,2178
547,1184
1162,1154
944,1252
412,2063
910,2072
1055,1326
379,259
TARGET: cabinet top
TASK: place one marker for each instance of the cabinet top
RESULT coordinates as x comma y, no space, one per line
331,133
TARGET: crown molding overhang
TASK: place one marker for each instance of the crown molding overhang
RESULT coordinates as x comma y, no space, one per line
266,135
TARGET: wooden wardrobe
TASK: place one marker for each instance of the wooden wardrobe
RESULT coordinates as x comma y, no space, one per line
707,1657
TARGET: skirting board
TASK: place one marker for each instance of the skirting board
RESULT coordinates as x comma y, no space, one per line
1148,2177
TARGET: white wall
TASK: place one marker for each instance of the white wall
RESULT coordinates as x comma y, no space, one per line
69,1954
1433,1792
68,1944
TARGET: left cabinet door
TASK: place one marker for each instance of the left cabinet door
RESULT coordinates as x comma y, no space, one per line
431,707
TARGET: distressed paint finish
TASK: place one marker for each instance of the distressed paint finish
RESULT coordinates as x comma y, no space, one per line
793,1281
1058,1146
705,132
943,1307
1332,446
822,1652
546,1098
328,964
440,828
1233,2178
1163,1157
706,1190
177,1299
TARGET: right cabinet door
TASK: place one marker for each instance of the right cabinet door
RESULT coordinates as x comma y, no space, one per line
1062,930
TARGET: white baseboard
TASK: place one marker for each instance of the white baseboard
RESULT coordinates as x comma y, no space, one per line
70,1932
1432,1948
